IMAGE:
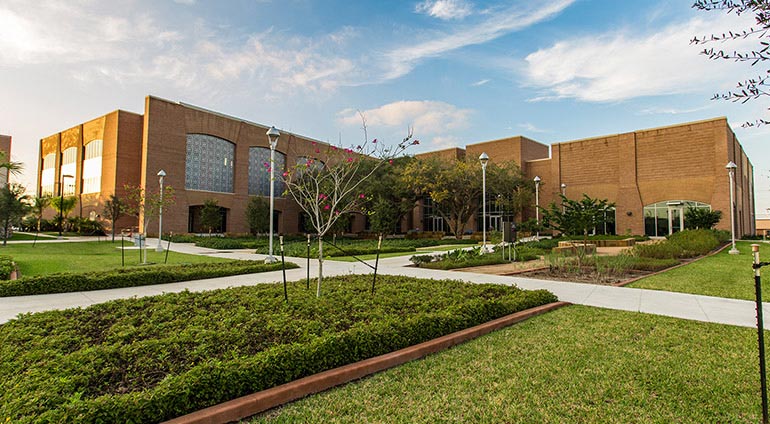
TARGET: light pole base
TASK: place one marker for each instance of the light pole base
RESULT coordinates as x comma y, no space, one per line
270,260
734,251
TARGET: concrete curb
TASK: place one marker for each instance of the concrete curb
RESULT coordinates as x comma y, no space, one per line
255,403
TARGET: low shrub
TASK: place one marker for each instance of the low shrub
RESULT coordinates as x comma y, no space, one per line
464,258
683,244
151,359
219,243
131,277
6,267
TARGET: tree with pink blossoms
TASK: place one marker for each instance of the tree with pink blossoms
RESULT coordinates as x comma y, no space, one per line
330,185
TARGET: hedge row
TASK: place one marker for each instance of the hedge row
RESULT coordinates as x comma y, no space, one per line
131,277
152,359
6,267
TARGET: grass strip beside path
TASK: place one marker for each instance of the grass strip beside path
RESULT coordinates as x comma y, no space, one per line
721,275
576,364
46,258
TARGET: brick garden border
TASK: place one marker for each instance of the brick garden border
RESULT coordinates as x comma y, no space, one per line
256,403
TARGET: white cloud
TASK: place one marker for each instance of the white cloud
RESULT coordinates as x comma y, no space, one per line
445,9
185,2
444,142
669,110
402,60
480,83
532,128
426,117
622,65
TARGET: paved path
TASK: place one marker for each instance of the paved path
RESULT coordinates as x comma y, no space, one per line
679,305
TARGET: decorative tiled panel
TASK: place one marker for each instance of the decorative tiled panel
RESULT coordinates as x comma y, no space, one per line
209,163
259,171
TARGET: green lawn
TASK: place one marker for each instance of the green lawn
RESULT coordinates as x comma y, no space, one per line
46,258
576,364
721,275
26,236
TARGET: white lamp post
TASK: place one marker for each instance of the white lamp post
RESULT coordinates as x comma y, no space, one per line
484,158
537,204
161,174
61,204
731,166
563,193
272,135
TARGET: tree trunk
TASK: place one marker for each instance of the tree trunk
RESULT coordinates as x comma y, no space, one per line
320,265
113,231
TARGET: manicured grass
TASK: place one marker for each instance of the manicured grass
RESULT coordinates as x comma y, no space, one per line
150,359
25,236
46,258
574,365
721,275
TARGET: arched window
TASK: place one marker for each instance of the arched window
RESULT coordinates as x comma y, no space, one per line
209,164
68,167
664,218
48,176
92,167
259,171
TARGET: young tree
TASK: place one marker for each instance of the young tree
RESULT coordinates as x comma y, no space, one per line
455,187
258,215
388,198
696,218
63,207
13,207
752,88
576,217
37,207
334,189
211,216
114,209
145,206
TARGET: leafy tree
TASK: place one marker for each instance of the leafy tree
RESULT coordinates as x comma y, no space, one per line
455,186
258,215
388,198
145,206
328,192
13,207
37,207
752,88
576,217
114,209
6,165
211,215
63,207
701,218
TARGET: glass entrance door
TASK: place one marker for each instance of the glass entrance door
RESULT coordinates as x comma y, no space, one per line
675,219
438,223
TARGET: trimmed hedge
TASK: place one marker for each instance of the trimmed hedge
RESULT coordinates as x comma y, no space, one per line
6,267
131,277
155,358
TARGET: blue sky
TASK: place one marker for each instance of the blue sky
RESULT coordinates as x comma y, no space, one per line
457,71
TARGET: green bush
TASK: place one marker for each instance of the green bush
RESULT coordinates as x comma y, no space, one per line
683,244
6,267
131,277
219,243
152,359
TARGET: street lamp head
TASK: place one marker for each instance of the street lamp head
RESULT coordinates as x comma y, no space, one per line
731,166
483,158
272,135
161,173
563,186
537,179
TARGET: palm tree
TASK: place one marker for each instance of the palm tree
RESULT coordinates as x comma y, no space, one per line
38,206
13,168
63,207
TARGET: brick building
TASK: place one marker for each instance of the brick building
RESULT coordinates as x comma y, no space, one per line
651,175
205,155
5,147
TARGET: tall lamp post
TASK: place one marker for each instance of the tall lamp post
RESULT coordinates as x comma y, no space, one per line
563,193
272,135
731,166
537,204
484,158
61,203
161,174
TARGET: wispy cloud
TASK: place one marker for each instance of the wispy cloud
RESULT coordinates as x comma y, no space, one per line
445,9
532,128
624,64
426,117
480,82
667,110
402,60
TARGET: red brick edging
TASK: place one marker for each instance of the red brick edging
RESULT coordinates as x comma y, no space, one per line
255,403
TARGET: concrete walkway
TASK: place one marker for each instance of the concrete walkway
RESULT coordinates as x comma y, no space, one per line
678,305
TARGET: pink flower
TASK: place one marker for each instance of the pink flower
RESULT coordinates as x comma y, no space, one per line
374,141
265,164
361,196
390,161
334,148
313,143
317,151
285,174
350,159
416,142
359,147
326,208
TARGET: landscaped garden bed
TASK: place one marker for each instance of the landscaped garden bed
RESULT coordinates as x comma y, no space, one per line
131,277
154,358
